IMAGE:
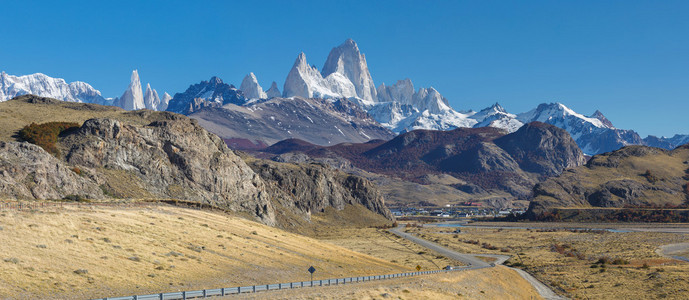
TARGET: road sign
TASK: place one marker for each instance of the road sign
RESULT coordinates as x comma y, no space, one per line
418,268
311,270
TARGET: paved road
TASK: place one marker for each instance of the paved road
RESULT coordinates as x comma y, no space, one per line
475,263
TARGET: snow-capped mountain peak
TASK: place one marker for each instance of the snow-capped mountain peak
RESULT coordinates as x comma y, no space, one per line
305,81
46,86
348,61
133,97
556,113
497,116
599,115
251,88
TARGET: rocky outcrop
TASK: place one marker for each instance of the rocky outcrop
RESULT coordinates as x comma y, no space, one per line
29,172
307,188
542,148
173,158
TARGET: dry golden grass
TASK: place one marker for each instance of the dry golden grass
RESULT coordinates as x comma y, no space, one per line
575,277
384,245
492,283
157,249
17,113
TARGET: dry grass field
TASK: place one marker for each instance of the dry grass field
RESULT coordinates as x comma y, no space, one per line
384,245
569,261
96,252
492,283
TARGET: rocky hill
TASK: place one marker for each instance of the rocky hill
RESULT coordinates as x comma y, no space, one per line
162,155
632,177
482,161
314,187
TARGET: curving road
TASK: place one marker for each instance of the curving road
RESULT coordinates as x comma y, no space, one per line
476,263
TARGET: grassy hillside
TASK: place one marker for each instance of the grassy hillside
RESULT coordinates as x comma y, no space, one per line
24,110
96,252
634,177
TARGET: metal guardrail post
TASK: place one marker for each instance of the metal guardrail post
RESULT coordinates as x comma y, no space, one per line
184,295
222,292
254,288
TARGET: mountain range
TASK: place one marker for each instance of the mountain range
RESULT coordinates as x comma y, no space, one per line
484,162
345,77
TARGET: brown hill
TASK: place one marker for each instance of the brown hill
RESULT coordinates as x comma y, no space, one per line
483,159
632,177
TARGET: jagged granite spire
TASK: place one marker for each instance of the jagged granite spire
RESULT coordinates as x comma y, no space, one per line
273,91
348,61
133,97
151,99
251,88
305,81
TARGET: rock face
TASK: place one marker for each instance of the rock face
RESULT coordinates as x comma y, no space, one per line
133,97
542,148
211,93
309,188
349,62
632,176
251,88
29,172
173,158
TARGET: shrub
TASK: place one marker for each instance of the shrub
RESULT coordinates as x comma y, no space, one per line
76,198
76,170
650,177
45,135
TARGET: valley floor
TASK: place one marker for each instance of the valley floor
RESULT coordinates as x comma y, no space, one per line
571,261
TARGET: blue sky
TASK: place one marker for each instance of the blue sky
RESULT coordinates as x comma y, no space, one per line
629,59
